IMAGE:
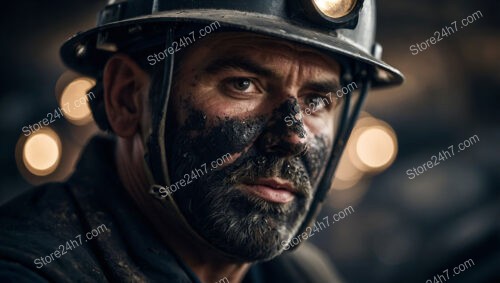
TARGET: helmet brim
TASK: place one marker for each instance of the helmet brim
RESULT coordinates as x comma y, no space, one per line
93,59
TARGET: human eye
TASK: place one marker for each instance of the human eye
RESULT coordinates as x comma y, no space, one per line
317,102
240,85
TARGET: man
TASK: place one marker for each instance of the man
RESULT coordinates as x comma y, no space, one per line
221,151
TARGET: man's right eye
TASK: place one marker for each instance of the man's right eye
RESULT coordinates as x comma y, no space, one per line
240,85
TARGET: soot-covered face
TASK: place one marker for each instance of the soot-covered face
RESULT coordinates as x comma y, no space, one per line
236,136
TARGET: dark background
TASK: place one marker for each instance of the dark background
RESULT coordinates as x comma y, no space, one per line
402,230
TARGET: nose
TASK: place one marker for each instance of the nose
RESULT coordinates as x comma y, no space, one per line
285,133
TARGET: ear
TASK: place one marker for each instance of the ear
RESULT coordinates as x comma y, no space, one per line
125,87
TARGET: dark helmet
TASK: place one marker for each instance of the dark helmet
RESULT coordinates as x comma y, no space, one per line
343,28
351,34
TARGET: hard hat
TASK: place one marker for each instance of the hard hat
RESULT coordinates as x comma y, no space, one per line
343,28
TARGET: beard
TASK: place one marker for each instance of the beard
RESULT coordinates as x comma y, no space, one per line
238,223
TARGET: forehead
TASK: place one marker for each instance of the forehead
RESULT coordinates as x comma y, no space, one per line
263,49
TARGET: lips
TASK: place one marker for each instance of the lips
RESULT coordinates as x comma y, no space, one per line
274,190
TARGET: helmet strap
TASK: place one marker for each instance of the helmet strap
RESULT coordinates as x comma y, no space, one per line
155,157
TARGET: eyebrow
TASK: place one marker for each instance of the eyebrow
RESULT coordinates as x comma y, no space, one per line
241,64
323,86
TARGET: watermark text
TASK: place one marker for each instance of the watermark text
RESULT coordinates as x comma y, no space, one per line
318,227
442,156
445,275
446,31
57,114
185,41
69,245
320,104
189,177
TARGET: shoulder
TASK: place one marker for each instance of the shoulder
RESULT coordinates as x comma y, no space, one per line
47,208
33,229
36,209
305,264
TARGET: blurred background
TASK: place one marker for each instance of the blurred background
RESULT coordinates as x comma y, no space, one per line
403,229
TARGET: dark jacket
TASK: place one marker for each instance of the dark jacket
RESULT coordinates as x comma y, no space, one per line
89,230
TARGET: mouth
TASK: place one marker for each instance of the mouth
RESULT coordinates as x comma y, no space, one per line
273,189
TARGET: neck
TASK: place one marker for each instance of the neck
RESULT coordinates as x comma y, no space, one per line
208,264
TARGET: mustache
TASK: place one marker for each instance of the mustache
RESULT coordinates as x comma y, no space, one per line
251,167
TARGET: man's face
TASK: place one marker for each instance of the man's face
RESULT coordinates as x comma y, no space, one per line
241,94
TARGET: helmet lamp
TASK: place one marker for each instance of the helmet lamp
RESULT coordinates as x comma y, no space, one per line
332,13
335,9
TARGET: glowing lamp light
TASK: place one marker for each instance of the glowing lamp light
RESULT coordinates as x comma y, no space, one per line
335,8
74,101
42,152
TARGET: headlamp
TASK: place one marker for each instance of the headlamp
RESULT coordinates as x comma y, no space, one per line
334,13
335,8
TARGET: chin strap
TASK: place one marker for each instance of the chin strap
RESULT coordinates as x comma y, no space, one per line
155,158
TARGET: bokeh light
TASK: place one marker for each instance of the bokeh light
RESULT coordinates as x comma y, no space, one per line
346,175
74,100
371,149
375,147
42,152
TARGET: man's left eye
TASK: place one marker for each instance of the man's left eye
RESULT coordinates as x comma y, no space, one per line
318,102
244,85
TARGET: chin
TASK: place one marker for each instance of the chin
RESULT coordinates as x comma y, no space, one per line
245,227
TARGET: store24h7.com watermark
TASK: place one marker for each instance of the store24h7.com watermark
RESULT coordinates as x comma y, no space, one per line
317,227
188,178
442,156
446,31
68,246
445,276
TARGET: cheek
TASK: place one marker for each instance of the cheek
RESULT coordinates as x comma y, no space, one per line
320,127
319,151
235,135
212,137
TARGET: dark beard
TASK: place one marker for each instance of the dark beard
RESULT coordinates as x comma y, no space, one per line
240,224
